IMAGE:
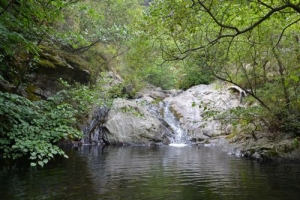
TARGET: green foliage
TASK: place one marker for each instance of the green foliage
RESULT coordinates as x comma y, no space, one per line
296,142
93,20
194,76
254,45
33,128
134,111
24,26
161,77
29,29
82,98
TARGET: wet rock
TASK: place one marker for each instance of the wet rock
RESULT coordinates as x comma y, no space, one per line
93,130
192,108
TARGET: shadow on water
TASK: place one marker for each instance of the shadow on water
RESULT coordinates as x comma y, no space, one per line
60,179
191,172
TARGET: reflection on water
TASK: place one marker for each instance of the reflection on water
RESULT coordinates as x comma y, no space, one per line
152,173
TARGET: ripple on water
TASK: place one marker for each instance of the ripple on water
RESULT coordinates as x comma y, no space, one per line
153,173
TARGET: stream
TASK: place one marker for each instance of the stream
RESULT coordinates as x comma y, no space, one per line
151,172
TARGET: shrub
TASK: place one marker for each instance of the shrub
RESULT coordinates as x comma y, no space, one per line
194,76
32,129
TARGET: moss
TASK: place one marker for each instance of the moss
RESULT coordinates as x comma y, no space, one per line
61,58
156,101
287,148
273,153
175,113
296,142
162,112
46,63
132,110
231,135
252,151
30,89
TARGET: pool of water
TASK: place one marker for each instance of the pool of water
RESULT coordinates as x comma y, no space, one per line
190,172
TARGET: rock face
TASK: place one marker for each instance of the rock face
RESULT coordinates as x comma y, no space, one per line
51,67
190,107
93,130
42,80
143,121
131,123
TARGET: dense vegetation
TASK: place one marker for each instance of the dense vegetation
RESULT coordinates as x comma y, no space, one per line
170,43
251,44
43,40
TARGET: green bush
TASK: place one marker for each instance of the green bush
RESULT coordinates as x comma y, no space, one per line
31,129
194,76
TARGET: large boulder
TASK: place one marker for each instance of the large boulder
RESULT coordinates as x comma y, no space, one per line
129,122
191,106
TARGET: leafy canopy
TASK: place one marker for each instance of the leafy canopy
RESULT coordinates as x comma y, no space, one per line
252,44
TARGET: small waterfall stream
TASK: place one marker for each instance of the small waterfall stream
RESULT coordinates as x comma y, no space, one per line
180,136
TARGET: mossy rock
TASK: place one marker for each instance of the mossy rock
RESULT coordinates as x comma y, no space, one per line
60,58
273,153
30,90
46,63
55,64
175,113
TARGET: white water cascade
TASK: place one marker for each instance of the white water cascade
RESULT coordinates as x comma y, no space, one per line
180,137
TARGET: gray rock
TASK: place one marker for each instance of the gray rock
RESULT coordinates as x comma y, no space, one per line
192,108
131,123
152,92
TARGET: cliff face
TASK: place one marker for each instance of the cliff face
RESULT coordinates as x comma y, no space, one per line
53,66
39,78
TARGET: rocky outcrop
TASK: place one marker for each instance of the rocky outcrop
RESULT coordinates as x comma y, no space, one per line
129,122
141,121
52,66
192,108
39,78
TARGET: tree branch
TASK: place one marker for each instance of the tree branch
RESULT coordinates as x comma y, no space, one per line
85,48
237,31
284,31
7,6
248,92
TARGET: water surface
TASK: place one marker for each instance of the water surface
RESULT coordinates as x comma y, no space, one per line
190,172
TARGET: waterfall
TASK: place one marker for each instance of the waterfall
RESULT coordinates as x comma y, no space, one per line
180,136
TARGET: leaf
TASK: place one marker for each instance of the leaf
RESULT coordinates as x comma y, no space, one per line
45,160
41,163
32,164
193,104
